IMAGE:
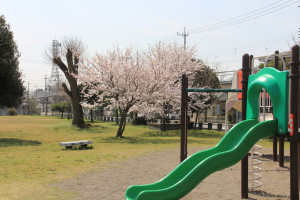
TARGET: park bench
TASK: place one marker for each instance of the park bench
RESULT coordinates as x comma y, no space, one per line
82,143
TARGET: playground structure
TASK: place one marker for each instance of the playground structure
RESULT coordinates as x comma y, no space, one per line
235,145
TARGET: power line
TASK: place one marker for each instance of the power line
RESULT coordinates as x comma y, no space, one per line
263,11
245,18
250,45
235,17
170,38
239,51
34,61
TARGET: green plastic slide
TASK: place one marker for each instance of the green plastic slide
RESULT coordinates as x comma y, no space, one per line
187,175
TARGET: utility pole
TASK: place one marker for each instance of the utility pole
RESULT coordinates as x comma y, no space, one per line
49,88
45,101
35,92
28,99
184,34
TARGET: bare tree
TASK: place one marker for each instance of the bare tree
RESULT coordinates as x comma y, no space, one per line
68,60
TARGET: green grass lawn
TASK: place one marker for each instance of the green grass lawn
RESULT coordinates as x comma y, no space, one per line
31,160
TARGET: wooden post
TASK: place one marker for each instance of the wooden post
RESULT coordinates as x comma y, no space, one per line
244,161
184,118
294,75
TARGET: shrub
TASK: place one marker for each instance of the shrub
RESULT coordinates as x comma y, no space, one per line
12,111
141,121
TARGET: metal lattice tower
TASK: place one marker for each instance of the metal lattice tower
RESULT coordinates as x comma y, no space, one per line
54,78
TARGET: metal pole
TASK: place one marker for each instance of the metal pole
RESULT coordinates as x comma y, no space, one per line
275,137
294,179
186,118
183,120
277,60
244,161
44,110
281,150
46,114
250,64
281,137
28,101
184,38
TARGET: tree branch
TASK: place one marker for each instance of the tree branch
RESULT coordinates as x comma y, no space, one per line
69,57
66,89
60,64
63,68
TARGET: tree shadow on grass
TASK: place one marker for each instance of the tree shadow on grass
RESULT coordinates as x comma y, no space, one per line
136,140
191,133
7,142
270,157
144,140
266,194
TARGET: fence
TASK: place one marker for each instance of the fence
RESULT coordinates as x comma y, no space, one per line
199,126
20,111
99,118
106,118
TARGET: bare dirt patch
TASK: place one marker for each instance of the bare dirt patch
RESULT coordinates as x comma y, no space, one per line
111,182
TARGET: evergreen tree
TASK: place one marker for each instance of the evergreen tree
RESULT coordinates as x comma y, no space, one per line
201,101
11,84
60,107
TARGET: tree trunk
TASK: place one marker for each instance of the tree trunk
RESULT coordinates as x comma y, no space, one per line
62,115
77,108
77,115
195,124
69,111
134,118
163,123
117,116
121,126
92,117
122,123
205,115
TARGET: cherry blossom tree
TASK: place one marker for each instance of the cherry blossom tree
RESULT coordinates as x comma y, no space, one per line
143,81
121,77
169,62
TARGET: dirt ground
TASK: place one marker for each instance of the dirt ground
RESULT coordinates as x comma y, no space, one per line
111,182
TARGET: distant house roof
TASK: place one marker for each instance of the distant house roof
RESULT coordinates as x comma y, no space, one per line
285,54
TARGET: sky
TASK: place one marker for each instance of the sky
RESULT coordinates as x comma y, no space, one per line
221,30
